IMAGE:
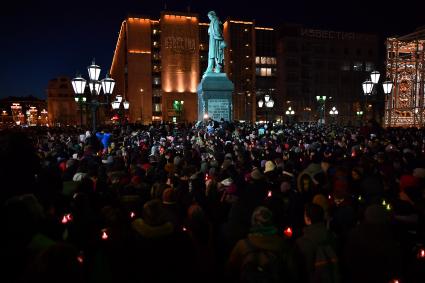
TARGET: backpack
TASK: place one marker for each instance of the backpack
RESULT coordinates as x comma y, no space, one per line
326,268
261,266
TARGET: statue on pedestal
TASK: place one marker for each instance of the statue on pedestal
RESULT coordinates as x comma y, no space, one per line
216,45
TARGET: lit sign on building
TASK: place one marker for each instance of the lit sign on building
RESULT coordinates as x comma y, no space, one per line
180,44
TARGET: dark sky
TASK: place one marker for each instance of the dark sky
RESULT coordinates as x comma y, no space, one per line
45,39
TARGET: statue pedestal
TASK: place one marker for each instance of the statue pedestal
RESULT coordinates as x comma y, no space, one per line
215,97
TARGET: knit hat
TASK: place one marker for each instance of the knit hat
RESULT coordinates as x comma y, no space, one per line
169,196
261,217
269,166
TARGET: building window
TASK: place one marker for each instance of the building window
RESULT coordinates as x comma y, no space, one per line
264,72
358,66
156,92
345,66
155,31
257,60
156,80
157,107
369,67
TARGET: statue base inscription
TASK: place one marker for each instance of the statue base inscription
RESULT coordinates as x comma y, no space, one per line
215,97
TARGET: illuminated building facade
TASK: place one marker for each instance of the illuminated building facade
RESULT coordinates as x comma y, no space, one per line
62,109
404,107
158,64
313,62
27,110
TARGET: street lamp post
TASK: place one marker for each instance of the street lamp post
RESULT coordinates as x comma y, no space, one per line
79,85
368,86
290,113
3,115
322,100
178,107
116,105
334,113
268,102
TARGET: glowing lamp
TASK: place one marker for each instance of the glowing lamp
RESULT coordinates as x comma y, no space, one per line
270,103
367,87
94,71
115,105
76,99
118,98
205,116
421,254
260,103
126,104
78,84
66,218
104,235
374,77
95,86
288,232
388,86
80,259
108,85
266,98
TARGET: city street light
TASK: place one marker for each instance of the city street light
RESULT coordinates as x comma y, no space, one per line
334,113
268,102
79,85
3,115
290,113
178,107
368,86
322,100
116,105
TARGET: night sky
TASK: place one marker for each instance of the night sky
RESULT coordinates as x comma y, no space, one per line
44,39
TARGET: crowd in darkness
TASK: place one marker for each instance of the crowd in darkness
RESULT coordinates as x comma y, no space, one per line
188,203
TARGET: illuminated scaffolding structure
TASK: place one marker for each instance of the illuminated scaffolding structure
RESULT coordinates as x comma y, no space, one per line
405,66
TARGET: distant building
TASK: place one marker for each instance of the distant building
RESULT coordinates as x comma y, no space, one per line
62,107
404,107
24,110
159,62
314,62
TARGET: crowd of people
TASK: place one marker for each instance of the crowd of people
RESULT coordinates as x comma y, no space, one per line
213,202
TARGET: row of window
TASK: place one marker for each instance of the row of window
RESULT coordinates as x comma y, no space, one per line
358,66
265,60
265,72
